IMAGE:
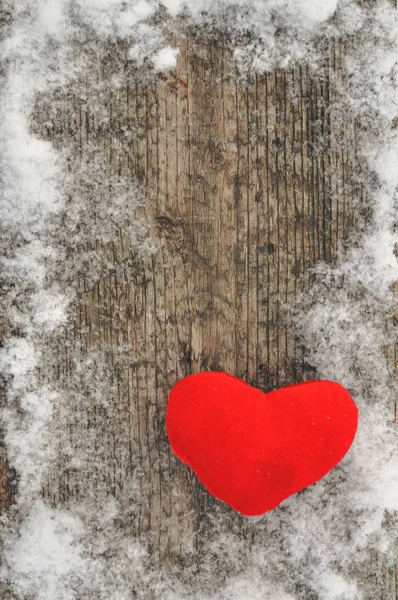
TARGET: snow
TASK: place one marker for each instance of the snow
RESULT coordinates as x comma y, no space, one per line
314,544
334,587
250,587
31,168
46,553
30,441
315,11
51,15
174,7
166,58
115,16
48,309
18,358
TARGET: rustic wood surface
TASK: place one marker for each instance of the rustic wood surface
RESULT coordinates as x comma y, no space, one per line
249,184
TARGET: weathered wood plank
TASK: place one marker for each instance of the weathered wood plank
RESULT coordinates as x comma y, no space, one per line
240,195
248,185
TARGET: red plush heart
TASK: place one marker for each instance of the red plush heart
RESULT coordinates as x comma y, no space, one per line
253,450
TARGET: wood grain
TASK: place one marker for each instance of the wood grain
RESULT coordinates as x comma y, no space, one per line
248,187
248,184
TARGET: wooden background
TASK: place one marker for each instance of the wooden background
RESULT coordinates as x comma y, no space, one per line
249,184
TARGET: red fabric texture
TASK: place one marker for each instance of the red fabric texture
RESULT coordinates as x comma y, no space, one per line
253,450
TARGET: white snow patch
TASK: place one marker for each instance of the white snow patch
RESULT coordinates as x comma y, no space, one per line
126,23
335,587
166,58
29,165
48,309
18,359
308,11
176,6
28,262
115,17
315,11
51,13
46,559
30,441
251,587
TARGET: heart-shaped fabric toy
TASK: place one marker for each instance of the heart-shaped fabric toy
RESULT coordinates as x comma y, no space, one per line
253,450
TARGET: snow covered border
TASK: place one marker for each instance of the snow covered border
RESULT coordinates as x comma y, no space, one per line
32,179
